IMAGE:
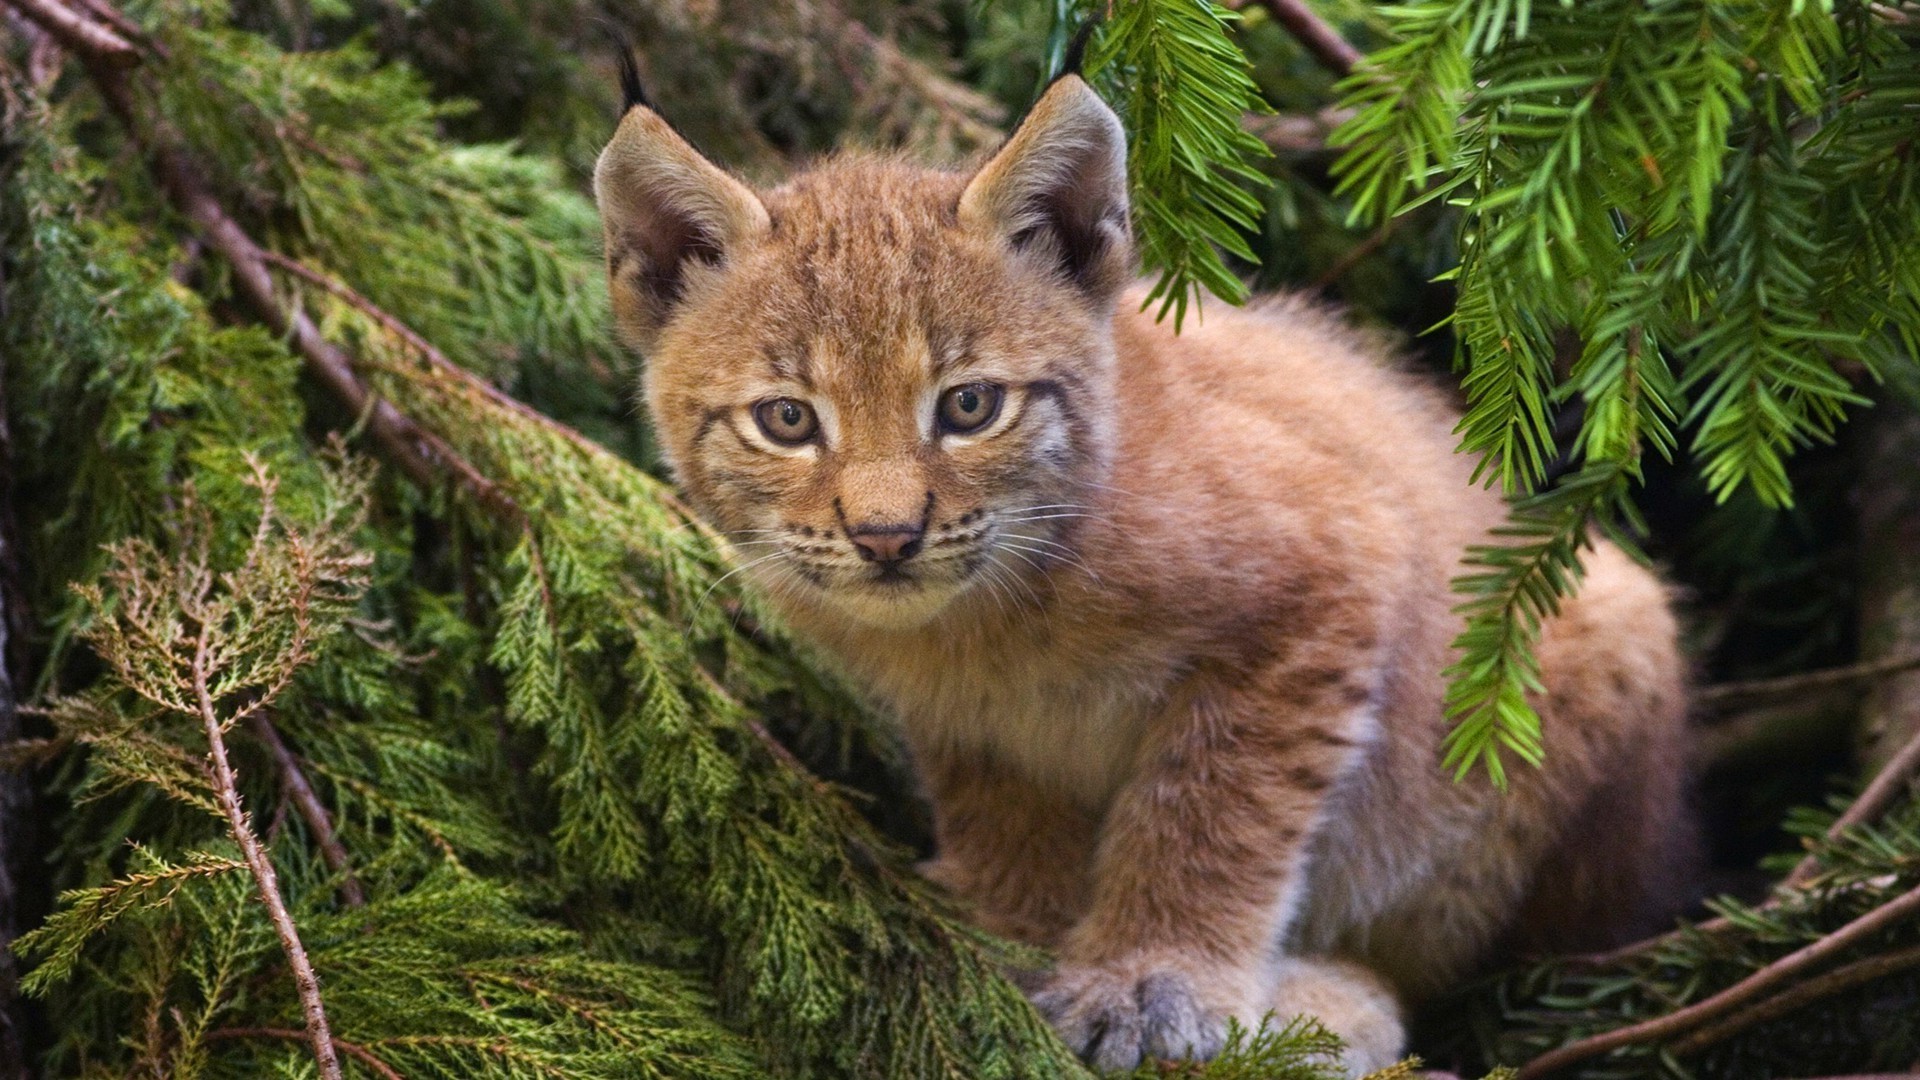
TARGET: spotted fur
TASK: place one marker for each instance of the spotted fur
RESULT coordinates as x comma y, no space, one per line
1168,643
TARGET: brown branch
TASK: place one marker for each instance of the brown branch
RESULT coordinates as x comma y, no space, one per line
427,350
353,1050
311,809
422,455
1833,982
1886,786
78,33
1334,52
1733,997
227,791
1716,697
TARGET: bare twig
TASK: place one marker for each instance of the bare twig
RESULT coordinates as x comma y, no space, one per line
1886,786
1759,983
78,33
353,1050
1717,697
1833,982
311,809
1334,52
227,791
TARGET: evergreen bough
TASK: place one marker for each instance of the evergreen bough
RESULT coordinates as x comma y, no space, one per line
545,793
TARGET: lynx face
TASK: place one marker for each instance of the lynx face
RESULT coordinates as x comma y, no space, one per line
891,386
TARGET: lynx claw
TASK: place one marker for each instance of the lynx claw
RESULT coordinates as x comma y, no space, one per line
1114,1019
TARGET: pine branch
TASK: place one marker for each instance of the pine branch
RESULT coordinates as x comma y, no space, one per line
1182,86
1782,971
1799,996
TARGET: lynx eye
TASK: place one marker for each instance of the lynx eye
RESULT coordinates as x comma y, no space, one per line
969,407
786,421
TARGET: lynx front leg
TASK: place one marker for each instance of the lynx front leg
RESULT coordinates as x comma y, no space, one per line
1200,865
1017,853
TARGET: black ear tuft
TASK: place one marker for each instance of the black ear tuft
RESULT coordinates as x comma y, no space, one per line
1076,55
631,92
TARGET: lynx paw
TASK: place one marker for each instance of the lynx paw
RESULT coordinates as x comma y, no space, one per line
1114,1016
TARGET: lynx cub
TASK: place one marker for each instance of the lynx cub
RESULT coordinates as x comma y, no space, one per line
1163,616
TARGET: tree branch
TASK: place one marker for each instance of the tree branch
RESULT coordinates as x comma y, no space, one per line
1718,696
311,809
79,34
227,792
422,455
1325,44
1759,983
1833,982
353,1050
1885,787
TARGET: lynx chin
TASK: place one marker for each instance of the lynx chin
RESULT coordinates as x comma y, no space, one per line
1163,616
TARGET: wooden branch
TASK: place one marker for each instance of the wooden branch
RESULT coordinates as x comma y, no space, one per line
1322,41
1717,696
77,33
1794,997
419,344
311,809
353,1050
1887,786
227,792
422,455
1733,997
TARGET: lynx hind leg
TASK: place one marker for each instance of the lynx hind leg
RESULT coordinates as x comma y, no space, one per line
1617,751
1347,999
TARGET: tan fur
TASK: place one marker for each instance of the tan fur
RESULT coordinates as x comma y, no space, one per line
1169,657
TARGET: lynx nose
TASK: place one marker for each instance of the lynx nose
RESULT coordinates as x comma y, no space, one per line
887,544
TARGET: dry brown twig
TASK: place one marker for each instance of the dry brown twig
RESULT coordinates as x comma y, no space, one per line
1900,771
311,810
1322,41
1761,982
227,793
353,1050
1840,978
1720,695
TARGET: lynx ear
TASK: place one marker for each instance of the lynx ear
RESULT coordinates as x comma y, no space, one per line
664,208
1058,189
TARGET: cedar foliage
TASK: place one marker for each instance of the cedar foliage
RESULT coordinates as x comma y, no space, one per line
584,810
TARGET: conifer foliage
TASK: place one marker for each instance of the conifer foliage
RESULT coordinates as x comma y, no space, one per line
472,766
1720,202
396,720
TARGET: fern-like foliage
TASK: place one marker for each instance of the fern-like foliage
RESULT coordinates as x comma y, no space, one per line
1654,181
1182,86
